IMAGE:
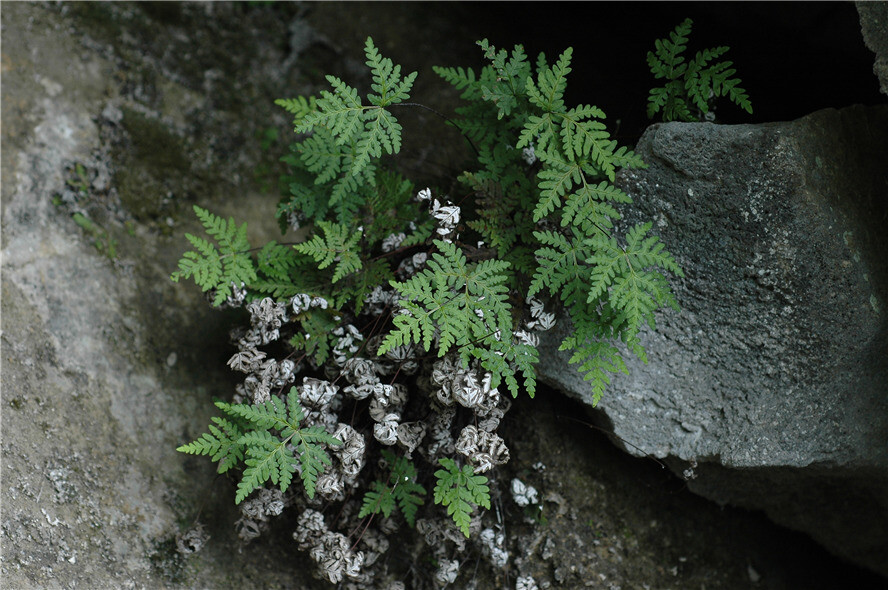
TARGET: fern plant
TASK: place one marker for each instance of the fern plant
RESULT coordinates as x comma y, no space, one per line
269,439
690,86
400,490
460,490
388,310
562,169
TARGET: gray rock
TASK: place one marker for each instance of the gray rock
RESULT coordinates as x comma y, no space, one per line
773,379
94,493
874,26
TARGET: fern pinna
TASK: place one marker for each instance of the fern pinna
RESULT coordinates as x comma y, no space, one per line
459,490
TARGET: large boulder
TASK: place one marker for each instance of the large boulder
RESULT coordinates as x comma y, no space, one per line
874,27
769,389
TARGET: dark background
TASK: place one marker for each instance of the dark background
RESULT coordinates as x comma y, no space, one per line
793,58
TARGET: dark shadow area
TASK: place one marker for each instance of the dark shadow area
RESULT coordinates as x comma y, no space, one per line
793,57
620,497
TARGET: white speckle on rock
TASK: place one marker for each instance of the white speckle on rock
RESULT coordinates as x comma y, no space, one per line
754,576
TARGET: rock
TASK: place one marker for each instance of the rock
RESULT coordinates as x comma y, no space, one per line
104,359
874,26
771,384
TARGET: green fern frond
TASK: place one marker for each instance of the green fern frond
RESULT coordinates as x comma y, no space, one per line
401,490
460,491
221,443
690,83
337,245
444,299
263,442
365,130
267,458
216,268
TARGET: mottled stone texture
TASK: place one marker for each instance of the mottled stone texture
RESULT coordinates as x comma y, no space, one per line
874,26
774,375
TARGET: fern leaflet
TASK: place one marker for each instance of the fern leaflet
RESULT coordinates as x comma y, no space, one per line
446,298
694,83
221,443
561,265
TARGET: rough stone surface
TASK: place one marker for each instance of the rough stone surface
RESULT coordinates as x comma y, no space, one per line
104,360
874,26
773,378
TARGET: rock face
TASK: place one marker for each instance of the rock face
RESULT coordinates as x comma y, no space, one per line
104,360
874,26
772,381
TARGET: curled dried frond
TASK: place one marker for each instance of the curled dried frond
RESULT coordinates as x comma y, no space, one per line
524,494
485,449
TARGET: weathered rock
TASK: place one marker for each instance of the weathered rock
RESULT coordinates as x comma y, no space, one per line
105,361
773,379
874,26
